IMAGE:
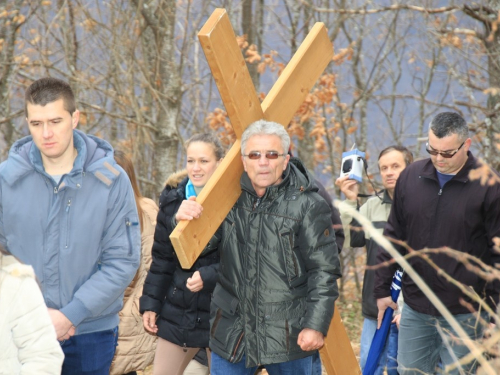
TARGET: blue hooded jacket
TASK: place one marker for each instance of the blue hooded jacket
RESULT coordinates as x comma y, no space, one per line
81,236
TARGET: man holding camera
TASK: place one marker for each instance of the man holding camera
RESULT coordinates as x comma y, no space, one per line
436,204
391,161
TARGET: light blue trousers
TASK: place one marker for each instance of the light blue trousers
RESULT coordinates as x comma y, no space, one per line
388,357
426,340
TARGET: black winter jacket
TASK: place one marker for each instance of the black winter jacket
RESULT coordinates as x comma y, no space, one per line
278,271
183,315
464,215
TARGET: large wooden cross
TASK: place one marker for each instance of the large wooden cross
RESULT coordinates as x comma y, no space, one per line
243,108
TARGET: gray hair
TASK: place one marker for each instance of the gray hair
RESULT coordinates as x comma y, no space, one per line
263,127
447,123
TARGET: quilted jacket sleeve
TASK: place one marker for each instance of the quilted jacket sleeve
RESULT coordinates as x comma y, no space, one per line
164,258
316,241
121,251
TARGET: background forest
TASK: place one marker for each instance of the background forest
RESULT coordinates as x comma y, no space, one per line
143,83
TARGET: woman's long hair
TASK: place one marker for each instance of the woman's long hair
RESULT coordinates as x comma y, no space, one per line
124,161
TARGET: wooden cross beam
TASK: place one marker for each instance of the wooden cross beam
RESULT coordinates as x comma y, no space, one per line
243,108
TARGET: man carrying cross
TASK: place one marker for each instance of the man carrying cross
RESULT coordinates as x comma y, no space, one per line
279,263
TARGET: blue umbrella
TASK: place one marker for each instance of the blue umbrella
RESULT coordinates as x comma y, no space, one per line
380,337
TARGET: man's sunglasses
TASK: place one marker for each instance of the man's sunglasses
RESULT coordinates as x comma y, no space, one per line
271,155
444,154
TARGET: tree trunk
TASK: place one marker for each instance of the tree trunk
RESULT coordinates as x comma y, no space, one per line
9,26
251,27
167,80
491,152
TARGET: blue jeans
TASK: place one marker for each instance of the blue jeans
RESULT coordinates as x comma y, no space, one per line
303,366
392,350
426,339
90,353
389,355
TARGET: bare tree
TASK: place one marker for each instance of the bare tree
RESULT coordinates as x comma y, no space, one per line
11,20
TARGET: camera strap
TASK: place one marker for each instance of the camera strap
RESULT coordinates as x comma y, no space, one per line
365,164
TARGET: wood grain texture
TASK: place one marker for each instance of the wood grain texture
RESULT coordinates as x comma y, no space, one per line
243,107
217,197
337,354
230,71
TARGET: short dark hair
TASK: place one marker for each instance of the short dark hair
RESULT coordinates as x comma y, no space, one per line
447,123
407,154
210,139
47,90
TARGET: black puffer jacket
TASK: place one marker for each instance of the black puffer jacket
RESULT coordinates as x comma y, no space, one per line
278,271
183,315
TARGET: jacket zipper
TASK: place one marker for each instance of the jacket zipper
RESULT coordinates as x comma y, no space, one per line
287,333
295,266
128,224
257,291
68,206
431,237
236,347
256,204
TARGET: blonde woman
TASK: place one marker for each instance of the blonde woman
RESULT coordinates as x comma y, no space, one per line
176,302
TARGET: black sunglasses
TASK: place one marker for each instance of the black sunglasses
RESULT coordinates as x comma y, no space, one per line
271,155
444,154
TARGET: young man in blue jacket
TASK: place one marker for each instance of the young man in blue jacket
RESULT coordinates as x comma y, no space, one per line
68,210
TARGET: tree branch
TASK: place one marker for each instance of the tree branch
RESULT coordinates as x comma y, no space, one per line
393,7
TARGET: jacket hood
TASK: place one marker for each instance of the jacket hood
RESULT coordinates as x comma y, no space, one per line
295,176
174,188
12,266
175,178
24,156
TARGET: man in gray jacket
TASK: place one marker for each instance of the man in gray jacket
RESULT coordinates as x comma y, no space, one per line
68,209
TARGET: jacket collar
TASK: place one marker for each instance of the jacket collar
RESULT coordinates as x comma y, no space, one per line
175,188
386,198
295,177
429,171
